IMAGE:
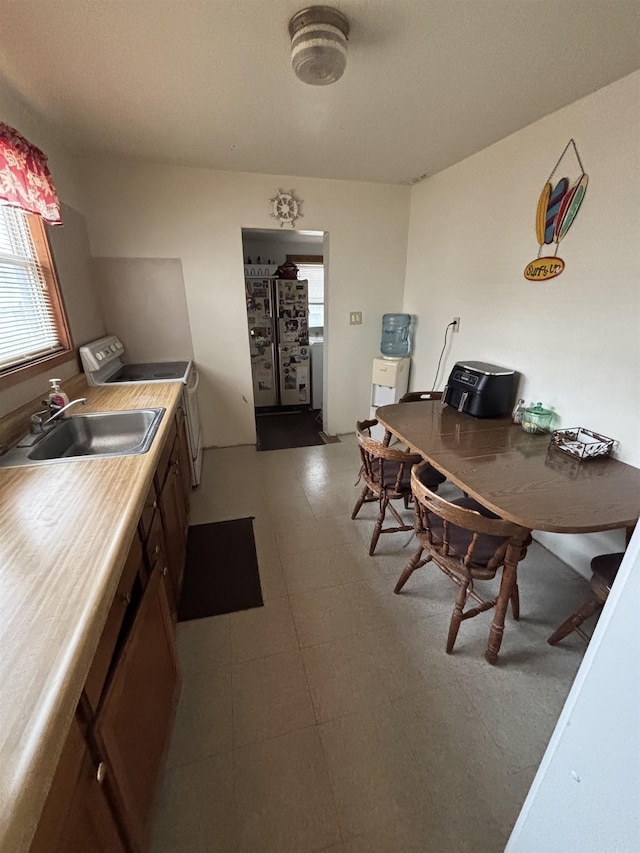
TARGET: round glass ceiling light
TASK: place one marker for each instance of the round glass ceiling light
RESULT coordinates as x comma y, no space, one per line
319,44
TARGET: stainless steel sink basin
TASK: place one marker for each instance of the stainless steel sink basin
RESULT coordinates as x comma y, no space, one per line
96,436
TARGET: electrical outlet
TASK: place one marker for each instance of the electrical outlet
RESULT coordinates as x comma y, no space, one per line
355,318
456,327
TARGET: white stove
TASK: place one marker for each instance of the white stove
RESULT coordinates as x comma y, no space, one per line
103,363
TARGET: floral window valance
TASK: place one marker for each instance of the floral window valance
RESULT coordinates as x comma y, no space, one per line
25,180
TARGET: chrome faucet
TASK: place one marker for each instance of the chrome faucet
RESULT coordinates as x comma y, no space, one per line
38,425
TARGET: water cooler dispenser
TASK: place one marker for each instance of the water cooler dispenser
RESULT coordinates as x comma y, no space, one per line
390,378
395,340
389,382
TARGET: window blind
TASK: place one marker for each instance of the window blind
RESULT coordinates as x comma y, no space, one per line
28,323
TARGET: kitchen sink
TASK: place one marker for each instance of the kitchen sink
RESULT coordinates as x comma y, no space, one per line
97,436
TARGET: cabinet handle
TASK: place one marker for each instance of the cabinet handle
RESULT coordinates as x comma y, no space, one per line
126,597
101,772
157,549
155,504
165,571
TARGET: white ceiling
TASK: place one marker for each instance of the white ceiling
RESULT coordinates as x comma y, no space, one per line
428,82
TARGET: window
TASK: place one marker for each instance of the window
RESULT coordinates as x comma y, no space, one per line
313,271
33,329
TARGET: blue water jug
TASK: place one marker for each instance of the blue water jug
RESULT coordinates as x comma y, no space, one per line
395,335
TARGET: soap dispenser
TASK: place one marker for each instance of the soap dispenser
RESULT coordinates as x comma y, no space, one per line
57,397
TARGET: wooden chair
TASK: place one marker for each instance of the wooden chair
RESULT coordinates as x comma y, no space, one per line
605,568
412,397
386,472
468,543
416,396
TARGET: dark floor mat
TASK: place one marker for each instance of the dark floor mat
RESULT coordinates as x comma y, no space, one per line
294,429
221,573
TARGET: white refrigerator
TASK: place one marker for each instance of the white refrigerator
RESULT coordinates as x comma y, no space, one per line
278,323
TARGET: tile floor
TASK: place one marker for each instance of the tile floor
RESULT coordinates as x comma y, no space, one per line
331,718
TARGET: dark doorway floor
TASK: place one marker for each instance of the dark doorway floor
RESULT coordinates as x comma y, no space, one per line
289,429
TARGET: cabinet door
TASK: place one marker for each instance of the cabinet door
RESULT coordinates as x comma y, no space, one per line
184,463
103,657
134,725
175,521
148,512
165,457
157,554
76,815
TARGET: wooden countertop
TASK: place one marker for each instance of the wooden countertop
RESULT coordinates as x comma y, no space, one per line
65,531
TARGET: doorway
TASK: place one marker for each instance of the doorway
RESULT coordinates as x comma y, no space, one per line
286,327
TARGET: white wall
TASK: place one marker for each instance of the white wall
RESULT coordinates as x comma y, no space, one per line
575,339
197,215
143,303
586,794
69,245
15,112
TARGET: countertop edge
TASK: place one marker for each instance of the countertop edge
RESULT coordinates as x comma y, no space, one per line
28,757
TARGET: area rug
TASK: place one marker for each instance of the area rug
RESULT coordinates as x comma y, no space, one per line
221,573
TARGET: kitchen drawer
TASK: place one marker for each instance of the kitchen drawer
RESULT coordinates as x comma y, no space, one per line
107,643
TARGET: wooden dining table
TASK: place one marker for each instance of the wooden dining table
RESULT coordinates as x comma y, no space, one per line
520,477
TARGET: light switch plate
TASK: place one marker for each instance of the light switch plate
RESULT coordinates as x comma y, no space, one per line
355,318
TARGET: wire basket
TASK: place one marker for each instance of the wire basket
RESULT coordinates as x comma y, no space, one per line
583,444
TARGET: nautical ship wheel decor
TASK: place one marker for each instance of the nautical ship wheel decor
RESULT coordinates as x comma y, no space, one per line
285,207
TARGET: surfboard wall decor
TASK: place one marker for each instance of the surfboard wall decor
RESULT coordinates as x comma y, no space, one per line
555,200
541,213
558,206
572,208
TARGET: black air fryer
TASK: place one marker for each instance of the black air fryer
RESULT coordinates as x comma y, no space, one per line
480,389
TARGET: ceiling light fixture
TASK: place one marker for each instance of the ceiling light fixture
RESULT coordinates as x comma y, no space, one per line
319,44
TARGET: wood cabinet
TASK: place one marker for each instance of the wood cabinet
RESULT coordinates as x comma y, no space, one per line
106,650
77,815
175,522
134,724
172,484
101,798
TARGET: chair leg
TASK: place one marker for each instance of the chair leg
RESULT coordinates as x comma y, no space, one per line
575,620
360,501
456,616
409,569
378,527
515,602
